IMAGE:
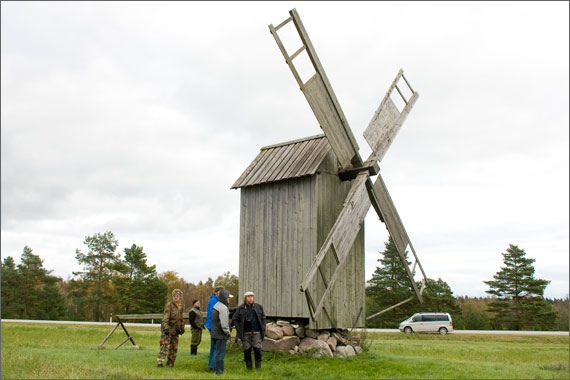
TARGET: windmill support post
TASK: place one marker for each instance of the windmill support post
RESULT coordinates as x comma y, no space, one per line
129,337
132,317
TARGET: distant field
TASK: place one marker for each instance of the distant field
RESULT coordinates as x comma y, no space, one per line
70,351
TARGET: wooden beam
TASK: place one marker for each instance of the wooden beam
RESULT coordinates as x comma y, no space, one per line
107,337
390,308
370,166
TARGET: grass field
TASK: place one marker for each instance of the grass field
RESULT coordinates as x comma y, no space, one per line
70,351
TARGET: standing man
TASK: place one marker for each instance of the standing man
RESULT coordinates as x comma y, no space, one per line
249,320
197,325
221,329
213,300
172,325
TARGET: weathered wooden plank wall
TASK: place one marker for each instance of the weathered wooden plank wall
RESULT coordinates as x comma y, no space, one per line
347,293
282,225
275,237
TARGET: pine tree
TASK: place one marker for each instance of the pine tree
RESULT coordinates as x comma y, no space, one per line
138,287
11,302
389,285
29,291
98,262
519,303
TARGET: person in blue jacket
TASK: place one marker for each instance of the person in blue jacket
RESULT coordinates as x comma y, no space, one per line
213,301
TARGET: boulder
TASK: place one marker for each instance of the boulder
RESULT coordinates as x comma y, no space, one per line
331,341
283,345
286,344
312,333
288,330
344,352
358,350
316,348
350,351
268,344
306,344
273,332
324,336
300,331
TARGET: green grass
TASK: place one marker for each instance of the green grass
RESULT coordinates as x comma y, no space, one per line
70,351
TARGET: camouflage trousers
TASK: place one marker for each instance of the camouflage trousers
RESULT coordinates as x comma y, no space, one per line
168,348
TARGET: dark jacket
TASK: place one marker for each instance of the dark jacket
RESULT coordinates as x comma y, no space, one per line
238,319
196,319
221,317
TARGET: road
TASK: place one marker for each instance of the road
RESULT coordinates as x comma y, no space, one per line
492,332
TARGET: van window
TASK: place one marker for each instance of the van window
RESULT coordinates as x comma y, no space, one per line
429,318
417,318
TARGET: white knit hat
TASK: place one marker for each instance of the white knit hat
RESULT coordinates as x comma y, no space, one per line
248,294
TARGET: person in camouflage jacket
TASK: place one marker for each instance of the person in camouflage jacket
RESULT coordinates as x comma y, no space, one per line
172,325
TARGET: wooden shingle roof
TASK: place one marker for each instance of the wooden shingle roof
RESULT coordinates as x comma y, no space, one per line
290,159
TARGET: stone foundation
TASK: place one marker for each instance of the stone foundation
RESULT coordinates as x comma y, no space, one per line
296,338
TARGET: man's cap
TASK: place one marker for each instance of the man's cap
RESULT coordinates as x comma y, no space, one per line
177,291
248,294
196,300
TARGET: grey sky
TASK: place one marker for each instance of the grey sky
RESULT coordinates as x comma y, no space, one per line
138,117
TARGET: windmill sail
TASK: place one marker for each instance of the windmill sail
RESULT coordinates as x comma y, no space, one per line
388,120
321,97
382,202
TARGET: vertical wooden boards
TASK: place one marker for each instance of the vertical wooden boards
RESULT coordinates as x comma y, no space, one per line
275,232
243,264
347,290
387,121
342,234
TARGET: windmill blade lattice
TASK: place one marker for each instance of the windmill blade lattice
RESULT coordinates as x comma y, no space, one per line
321,97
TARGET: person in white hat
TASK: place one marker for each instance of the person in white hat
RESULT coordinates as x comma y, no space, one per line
249,320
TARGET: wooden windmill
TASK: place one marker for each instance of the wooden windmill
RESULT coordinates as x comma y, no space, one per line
303,205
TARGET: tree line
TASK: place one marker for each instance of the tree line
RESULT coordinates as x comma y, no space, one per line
108,284
515,302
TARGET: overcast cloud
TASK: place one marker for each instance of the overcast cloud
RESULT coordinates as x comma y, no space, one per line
137,117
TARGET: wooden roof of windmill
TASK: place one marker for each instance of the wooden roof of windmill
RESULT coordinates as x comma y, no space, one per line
291,159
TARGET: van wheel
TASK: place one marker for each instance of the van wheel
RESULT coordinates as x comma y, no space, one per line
443,331
408,330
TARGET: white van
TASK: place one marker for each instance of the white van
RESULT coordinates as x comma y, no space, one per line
428,323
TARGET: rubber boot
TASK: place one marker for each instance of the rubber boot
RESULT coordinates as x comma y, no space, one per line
193,350
257,354
247,359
